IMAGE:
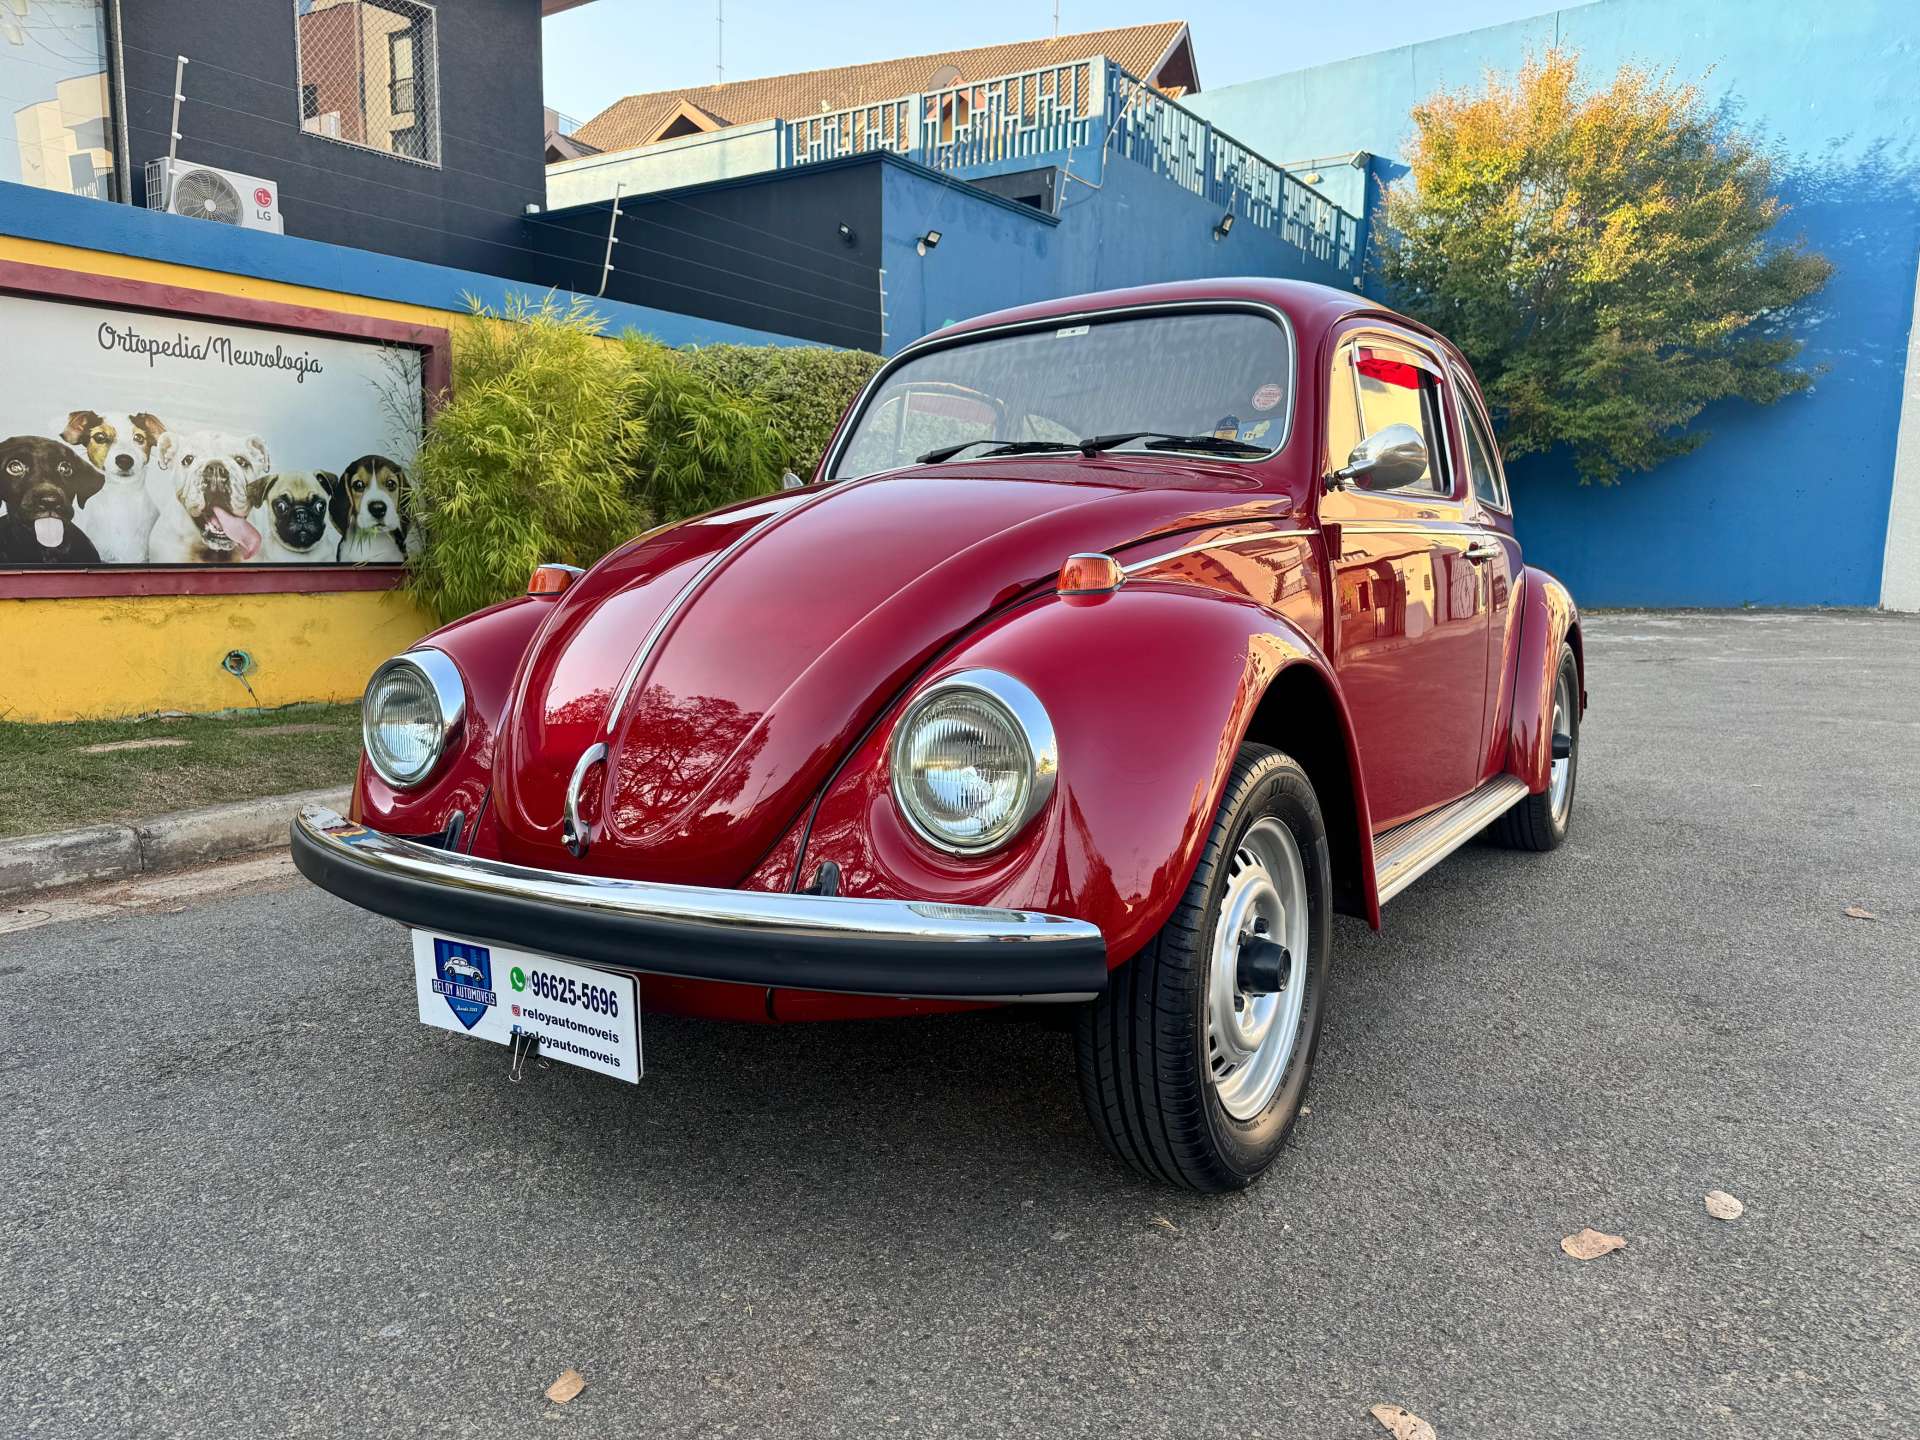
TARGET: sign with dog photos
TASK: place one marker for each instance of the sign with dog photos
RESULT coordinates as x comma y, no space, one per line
130,438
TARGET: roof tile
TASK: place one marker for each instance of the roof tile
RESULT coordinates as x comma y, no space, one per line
638,118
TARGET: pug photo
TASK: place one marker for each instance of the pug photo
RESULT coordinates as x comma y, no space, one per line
42,483
212,481
120,446
294,518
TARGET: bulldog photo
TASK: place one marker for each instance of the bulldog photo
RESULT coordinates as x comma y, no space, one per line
42,482
212,480
294,519
371,506
120,446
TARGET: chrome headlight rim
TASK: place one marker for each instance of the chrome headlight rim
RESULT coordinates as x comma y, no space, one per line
1028,721
449,694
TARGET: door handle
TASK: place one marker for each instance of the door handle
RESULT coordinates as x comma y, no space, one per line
1482,550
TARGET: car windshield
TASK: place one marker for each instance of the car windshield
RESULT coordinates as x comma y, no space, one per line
1221,380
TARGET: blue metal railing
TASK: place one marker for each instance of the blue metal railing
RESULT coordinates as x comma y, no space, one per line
1079,110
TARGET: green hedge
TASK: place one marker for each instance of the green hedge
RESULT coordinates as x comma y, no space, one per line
555,445
806,390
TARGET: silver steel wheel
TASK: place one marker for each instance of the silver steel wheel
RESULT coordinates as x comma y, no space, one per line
1560,787
1251,1038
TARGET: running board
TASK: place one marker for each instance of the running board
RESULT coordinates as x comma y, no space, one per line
1406,852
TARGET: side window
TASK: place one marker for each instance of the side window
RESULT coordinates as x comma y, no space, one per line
1483,460
1393,386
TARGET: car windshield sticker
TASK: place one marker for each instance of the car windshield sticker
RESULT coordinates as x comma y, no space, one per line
1069,332
1227,427
463,974
1250,433
1268,396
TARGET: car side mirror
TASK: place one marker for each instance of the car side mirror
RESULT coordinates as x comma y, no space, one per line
1388,459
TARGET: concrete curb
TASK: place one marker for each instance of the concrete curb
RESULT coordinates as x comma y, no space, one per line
31,863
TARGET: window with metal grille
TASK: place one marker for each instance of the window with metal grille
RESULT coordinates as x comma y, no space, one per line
369,75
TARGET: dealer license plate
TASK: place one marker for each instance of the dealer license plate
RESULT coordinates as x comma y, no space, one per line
586,1017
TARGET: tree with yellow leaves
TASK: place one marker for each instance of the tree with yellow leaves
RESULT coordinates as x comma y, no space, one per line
1604,257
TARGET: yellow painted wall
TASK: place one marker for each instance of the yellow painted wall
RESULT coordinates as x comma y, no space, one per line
75,659
79,659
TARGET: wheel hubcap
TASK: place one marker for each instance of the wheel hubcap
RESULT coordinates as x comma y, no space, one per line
1251,1038
1560,786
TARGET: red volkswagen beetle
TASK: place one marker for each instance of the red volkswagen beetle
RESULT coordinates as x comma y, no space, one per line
1118,643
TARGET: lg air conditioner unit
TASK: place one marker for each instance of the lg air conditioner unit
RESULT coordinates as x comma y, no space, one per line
181,187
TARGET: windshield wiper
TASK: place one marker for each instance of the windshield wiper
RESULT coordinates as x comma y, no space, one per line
1166,440
1006,447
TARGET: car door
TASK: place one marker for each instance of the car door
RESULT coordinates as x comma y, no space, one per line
1408,620
1490,509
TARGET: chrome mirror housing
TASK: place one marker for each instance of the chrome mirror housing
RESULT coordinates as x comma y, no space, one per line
1388,459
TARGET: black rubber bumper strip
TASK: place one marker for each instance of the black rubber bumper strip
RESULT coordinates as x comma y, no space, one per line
1066,966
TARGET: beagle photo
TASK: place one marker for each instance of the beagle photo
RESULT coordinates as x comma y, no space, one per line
120,447
293,518
41,483
371,507
212,480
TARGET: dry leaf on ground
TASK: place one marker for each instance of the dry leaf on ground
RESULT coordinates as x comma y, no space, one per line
1402,1423
1859,912
1723,1206
570,1384
1591,1244
1164,1223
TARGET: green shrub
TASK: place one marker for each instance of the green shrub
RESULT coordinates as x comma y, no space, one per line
556,444
699,444
532,458
806,390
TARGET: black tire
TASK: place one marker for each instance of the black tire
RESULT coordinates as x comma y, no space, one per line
1143,1045
1532,824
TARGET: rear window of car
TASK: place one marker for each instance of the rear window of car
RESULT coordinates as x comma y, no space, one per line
1224,374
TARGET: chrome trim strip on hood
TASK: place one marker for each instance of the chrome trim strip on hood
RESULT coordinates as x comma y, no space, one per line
674,607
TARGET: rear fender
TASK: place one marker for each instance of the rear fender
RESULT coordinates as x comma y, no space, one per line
1151,691
1548,618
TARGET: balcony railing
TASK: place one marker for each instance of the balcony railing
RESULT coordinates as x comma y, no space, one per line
1076,111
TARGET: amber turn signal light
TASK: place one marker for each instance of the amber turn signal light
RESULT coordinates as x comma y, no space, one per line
552,579
1090,575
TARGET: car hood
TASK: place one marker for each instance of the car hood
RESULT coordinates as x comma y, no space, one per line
729,661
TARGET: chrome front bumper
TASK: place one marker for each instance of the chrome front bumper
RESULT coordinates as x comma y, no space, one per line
907,948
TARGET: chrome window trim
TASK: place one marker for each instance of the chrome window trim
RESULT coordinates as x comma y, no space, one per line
436,667
1441,370
1030,720
932,344
1504,505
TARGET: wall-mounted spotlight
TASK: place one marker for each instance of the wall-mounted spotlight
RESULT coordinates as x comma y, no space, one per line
928,241
1225,227
846,233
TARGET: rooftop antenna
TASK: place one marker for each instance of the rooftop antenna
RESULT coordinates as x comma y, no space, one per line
1056,19
719,42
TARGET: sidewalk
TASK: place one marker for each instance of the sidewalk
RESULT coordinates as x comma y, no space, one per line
100,853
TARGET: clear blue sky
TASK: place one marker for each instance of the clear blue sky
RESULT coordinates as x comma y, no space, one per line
610,48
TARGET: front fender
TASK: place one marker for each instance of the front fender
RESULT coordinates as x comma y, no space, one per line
1548,617
486,647
1150,690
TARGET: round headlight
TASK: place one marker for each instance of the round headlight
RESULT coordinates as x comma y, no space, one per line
974,759
411,715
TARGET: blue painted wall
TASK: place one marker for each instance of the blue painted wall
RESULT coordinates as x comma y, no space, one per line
58,219
1785,505
1138,228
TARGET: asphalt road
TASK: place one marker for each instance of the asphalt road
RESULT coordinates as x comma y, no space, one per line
246,1193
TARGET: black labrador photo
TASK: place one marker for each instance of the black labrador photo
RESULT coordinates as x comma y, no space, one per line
41,482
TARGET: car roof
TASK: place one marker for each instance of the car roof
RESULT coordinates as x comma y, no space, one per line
1311,308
